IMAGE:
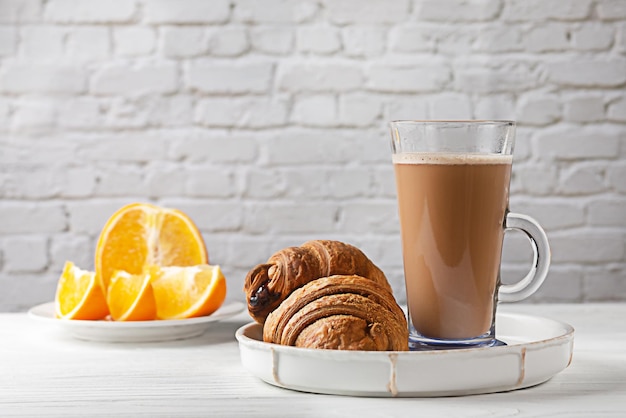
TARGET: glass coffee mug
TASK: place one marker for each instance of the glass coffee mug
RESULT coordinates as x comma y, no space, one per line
452,181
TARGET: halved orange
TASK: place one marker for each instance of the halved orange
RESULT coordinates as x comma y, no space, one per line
187,292
79,295
140,234
130,297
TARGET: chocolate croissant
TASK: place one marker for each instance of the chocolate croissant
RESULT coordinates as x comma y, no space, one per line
342,313
267,285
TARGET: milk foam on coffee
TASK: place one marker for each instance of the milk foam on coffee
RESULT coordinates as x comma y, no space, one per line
452,209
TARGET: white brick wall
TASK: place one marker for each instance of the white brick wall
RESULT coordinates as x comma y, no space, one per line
265,120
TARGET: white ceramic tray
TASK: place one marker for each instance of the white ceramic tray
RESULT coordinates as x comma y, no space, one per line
537,349
135,331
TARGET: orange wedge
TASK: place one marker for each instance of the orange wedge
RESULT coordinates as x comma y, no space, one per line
130,297
187,292
79,295
140,234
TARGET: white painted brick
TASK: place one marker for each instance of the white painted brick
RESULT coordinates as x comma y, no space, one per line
229,42
308,147
8,40
317,110
89,216
78,182
384,182
551,215
90,11
607,212
331,77
34,114
119,180
450,106
25,254
183,41
5,114
186,11
209,182
604,284
561,286
507,77
164,180
539,10
201,147
538,110
584,109
42,43
285,218
80,112
611,9
134,40
88,43
523,143
516,248
318,39
588,72
272,39
593,37
536,179
458,10
359,110
363,41
617,110
171,111
414,107
393,79
500,106
591,248
120,79
14,11
411,38
370,217
275,11
551,36
71,247
123,147
372,11
582,180
621,38
126,113
243,113
264,183
616,175
499,39
575,143
31,182
219,78
18,217
348,183
42,79
209,215
453,42
306,182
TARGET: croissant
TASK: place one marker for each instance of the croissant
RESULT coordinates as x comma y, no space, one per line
267,285
342,313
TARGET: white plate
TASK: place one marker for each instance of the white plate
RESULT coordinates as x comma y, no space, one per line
538,348
135,331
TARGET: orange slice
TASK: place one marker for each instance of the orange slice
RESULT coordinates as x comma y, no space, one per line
130,297
187,292
140,234
79,295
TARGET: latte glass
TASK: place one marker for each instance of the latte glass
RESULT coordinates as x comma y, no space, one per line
452,181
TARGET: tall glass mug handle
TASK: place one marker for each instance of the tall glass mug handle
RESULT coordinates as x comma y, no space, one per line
541,259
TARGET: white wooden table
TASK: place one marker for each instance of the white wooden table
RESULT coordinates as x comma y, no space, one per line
43,372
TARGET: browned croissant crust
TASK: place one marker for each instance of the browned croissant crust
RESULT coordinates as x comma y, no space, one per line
267,285
342,313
